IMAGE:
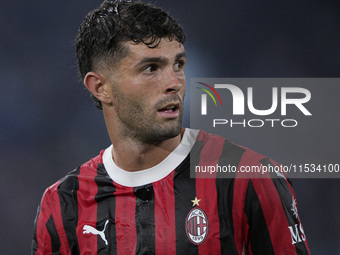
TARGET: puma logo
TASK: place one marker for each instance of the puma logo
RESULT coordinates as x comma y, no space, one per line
91,230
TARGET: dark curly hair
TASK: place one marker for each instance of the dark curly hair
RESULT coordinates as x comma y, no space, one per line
102,34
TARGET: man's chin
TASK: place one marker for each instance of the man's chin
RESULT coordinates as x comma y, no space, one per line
164,133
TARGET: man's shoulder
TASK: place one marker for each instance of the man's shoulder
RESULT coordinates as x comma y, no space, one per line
70,182
216,157
228,151
210,139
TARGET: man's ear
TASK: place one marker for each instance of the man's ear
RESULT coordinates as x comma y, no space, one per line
98,85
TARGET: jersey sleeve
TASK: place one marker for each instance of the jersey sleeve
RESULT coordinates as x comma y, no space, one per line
45,238
272,217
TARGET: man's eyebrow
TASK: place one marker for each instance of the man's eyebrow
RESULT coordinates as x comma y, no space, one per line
160,59
181,55
152,60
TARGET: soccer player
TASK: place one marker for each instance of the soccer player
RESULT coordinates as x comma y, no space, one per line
136,196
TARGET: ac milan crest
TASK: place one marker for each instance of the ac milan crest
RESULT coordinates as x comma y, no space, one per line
197,226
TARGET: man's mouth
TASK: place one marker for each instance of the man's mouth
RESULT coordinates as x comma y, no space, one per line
170,111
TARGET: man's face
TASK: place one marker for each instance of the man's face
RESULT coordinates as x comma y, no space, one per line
148,91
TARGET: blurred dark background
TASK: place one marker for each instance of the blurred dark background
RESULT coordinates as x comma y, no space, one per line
49,125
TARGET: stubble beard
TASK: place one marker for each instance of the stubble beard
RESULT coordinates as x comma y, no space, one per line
141,126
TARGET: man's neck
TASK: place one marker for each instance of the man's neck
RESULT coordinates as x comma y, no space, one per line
134,156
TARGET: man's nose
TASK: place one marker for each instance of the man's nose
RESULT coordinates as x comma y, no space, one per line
173,81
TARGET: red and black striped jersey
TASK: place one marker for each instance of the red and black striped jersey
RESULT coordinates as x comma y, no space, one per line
101,209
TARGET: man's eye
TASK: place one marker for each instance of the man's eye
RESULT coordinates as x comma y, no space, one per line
150,69
179,66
